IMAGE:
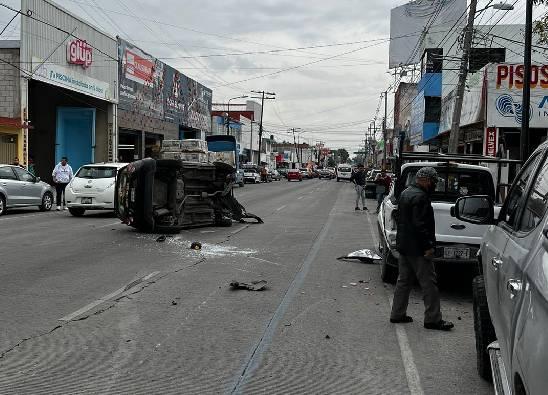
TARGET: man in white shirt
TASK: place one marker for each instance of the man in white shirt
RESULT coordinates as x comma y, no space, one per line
62,174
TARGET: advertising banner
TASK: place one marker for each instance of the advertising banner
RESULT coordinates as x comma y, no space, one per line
417,119
152,88
504,96
408,21
490,142
70,79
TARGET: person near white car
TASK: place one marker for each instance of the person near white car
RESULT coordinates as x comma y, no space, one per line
416,240
358,178
62,174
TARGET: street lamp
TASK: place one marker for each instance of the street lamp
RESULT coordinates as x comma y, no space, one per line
502,6
228,112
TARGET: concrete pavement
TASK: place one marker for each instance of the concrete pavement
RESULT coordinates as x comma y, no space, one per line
172,325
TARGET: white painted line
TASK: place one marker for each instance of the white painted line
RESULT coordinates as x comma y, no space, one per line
300,197
281,208
264,260
106,298
411,371
239,230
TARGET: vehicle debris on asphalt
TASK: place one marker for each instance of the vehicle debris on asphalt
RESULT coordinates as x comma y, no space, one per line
196,245
366,255
259,285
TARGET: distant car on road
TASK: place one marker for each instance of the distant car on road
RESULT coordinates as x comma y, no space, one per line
19,188
92,188
252,176
344,172
275,175
294,174
305,173
325,173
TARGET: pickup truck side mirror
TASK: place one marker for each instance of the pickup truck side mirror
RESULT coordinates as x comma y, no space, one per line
474,209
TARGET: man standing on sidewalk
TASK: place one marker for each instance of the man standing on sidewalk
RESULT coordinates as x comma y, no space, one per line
358,178
62,174
415,241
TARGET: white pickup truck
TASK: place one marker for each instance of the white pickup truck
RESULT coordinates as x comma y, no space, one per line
458,242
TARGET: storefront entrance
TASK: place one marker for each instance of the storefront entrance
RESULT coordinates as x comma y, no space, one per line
75,135
129,145
8,148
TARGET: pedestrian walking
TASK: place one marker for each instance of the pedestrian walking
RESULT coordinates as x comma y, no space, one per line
415,242
382,187
358,178
62,174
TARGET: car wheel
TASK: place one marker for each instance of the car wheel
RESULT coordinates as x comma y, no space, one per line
47,202
77,211
338,179
2,205
483,327
389,266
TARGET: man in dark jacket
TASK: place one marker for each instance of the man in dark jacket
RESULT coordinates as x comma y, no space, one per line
415,242
358,178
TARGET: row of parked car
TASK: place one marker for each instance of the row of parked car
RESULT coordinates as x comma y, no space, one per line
503,231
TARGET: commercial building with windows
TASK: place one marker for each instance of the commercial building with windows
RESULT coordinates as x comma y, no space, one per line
157,102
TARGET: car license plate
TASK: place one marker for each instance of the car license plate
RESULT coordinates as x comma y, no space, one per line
86,200
456,252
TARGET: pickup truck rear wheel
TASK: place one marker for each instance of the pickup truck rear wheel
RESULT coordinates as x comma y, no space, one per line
389,266
483,327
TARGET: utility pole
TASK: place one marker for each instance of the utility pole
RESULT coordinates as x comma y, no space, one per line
384,129
463,72
525,106
270,96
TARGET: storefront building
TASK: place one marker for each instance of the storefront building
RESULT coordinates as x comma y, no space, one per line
68,89
156,102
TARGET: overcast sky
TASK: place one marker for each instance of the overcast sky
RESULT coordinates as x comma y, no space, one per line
331,92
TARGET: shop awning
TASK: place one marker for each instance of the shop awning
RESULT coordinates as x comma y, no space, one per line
14,123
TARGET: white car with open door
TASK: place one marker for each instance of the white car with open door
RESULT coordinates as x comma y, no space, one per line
92,188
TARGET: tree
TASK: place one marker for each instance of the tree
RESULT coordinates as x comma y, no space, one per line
540,26
331,162
342,154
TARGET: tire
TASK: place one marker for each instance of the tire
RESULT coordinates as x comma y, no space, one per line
2,205
483,328
389,273
338,179
77,211
47,202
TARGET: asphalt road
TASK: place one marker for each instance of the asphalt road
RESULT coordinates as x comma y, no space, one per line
91,306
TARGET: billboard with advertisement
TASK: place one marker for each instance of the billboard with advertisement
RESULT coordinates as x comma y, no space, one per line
417,119
504,95
152,88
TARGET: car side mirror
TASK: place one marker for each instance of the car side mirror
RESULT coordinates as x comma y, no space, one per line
37,179
475,210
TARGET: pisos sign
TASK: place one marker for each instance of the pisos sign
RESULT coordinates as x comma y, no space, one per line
504,95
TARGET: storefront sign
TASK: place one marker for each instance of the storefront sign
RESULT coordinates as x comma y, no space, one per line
504,100
490,142
70,79
79,52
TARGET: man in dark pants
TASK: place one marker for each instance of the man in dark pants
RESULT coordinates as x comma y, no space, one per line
358,178
415,241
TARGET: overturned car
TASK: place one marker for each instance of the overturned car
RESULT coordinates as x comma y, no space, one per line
168,195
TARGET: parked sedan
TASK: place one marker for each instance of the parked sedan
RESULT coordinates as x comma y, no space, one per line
275,175
92,188
294,174
19,188
252,176
239,178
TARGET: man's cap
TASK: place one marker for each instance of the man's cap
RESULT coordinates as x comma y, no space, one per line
428,172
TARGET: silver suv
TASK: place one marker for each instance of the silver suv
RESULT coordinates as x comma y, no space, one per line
511,294
19,188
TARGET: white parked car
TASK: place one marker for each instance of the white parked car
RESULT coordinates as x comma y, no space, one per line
252,176
92,188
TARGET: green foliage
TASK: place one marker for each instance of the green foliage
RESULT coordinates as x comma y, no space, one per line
330,162
342,155
540,25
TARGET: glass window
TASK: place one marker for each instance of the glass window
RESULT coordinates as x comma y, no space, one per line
535,206
93,172
23,174
510,210
455,183
6,173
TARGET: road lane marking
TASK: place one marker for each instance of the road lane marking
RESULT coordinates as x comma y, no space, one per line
300,197
264,260
108,297
411,371
238,230
262,346
281,208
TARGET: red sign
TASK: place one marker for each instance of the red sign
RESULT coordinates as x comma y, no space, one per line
510,76
491,141
139,69
79,52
